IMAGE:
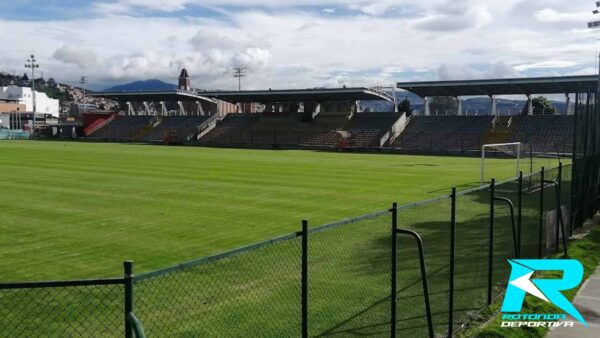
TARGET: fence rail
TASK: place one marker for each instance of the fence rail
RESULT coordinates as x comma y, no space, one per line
353,277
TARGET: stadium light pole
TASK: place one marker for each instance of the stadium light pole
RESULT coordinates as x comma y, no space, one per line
239,73
33,65
596,25
83,82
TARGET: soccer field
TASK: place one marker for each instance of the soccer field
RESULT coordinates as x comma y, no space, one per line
77,210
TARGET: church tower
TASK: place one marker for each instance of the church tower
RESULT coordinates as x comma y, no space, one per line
184,81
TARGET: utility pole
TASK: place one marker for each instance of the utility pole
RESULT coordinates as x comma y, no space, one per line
239,73
596,25
83,82
33,65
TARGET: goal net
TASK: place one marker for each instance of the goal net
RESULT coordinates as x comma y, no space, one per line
494,157
549,159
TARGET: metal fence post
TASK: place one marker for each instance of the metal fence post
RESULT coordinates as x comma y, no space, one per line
452,256
541,215
394,271
424,281
558,205
304,279
520,211
128,274
491,243
560,214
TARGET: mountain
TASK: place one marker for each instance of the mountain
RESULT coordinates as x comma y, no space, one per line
146,85
471,106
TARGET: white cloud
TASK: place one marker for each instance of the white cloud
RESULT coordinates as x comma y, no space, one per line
378,7
284,46
456,15
128,6
546,65
82,58
458,72
253,58
552,15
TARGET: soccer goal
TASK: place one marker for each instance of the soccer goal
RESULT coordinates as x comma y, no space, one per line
500,150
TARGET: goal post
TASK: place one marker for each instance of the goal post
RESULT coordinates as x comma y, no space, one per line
509,150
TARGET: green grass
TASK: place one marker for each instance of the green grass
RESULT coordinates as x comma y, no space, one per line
586,251
77,210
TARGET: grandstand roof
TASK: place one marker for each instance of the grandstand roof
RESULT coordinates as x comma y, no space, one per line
154,96
525,86
301,95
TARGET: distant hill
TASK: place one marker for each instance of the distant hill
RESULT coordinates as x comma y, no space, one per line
145,85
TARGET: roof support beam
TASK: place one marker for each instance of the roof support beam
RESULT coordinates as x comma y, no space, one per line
529,105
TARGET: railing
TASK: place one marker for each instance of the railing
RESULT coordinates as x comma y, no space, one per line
208,125
98,125
396,130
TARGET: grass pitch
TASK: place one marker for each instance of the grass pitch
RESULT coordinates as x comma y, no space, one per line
77,210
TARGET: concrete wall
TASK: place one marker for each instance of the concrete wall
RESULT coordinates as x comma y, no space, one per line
9,107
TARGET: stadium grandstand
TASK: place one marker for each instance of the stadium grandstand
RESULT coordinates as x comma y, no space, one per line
295,118
335,119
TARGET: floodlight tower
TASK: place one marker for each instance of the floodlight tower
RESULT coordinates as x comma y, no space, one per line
596,25
239,73
33,65
83,82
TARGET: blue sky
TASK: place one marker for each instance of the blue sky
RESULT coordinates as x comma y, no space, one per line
301,43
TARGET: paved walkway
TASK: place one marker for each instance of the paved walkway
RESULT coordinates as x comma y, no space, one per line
587,302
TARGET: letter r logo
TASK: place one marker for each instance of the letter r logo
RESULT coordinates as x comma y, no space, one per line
520,283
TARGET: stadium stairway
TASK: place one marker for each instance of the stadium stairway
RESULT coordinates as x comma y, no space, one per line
98,123
502,132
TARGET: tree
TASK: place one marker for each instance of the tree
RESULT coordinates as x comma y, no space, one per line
404,106
541,105
442,105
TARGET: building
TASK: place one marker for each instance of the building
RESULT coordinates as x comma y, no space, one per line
24,96
184,81
12,107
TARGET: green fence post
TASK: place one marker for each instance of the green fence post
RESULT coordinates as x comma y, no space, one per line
560,214
304,279
520,211
558,205
452,257
423,278
128,276
541,215
394,271
491,243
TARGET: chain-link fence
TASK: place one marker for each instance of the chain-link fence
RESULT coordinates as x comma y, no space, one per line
586,158
62,309
254,292
418,270
349,277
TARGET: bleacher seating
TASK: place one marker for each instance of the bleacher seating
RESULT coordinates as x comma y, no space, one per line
362,130
124,128
444,133
545,133
175,128
232,129
366,129
423,134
